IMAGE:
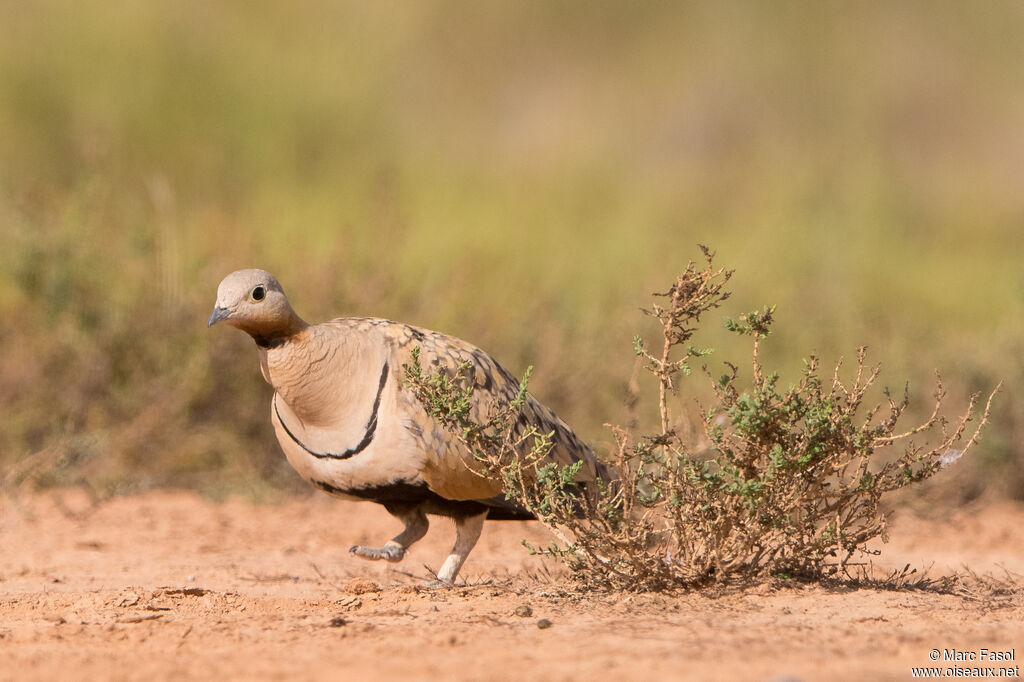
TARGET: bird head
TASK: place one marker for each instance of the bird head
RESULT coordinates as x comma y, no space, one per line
253,301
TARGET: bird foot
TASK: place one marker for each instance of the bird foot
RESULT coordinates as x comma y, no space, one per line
392,553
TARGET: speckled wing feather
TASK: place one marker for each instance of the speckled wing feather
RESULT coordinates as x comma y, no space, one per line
451,471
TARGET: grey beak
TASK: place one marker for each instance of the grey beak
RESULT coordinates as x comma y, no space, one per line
217,315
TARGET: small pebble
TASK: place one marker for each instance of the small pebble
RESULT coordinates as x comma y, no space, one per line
543,623
523,611
191,579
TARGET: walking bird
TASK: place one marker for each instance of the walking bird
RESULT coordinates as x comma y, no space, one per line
350,426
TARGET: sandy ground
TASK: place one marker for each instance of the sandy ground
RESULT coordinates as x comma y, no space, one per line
168,586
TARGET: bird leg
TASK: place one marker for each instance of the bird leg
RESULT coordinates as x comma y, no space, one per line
467,532
394,550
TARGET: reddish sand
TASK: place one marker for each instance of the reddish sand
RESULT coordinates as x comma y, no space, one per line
168,586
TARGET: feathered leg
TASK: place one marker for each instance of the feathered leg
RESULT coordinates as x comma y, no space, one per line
394,550
467,532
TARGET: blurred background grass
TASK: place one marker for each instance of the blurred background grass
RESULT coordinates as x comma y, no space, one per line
521,175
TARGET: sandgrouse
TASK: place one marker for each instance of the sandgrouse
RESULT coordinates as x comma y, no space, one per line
349,424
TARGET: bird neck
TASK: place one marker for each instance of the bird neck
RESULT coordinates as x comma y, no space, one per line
267,337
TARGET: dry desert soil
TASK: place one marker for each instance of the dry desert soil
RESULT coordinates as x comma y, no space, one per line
171,586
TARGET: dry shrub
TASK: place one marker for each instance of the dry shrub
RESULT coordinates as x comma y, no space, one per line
790,486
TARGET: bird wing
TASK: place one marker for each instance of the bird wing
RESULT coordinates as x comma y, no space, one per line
451,471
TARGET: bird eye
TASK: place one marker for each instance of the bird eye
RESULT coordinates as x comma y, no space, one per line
259,293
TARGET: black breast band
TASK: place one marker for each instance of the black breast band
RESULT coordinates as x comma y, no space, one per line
371,426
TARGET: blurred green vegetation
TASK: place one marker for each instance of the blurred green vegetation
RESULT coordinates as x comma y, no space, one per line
521,175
